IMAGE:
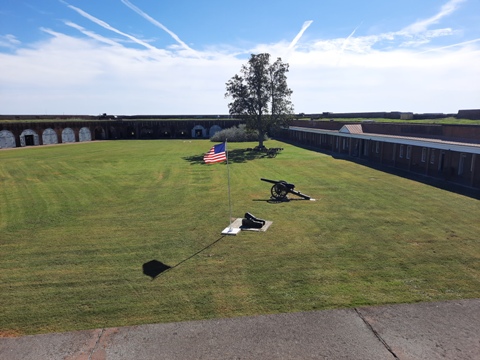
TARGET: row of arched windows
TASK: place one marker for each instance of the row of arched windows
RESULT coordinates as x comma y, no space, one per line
29,137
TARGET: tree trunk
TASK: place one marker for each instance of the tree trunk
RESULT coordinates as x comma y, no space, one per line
261,136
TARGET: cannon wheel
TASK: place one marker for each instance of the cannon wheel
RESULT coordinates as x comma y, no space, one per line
279,191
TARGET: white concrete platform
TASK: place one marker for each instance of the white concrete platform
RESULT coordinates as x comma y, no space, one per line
238,223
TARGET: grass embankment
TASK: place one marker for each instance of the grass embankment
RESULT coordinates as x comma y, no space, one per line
78,221
440,121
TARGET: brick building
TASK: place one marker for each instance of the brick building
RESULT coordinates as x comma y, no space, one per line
446,155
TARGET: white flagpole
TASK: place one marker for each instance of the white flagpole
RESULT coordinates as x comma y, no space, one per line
229,230
229,198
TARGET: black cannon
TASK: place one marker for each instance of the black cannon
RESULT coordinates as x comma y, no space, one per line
281,189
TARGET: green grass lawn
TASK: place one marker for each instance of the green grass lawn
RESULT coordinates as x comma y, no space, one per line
78,221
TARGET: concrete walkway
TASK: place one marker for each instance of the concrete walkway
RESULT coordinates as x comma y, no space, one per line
441,330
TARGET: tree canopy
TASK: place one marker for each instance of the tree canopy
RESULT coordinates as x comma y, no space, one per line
260,94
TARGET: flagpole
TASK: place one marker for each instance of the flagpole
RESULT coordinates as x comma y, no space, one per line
229,198
229,230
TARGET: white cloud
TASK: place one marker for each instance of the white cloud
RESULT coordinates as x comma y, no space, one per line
424,24
383,72
9,41
387,81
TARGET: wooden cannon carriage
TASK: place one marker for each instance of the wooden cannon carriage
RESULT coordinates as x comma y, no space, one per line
281,189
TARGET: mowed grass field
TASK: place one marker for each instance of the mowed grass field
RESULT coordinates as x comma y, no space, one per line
78,221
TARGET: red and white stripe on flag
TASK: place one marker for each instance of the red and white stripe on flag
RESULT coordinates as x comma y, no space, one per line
216,154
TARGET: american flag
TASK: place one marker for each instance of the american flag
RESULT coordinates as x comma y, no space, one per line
216,154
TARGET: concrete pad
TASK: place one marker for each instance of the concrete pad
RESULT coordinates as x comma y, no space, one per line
238,224
439,330
230,230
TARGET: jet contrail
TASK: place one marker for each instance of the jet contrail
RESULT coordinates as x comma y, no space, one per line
344,45
156,23
91,34
305,26
353,33
450,46
111,28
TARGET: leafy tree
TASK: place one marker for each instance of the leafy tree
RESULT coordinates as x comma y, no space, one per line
260,94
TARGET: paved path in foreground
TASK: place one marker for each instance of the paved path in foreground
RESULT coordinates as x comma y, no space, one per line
441,330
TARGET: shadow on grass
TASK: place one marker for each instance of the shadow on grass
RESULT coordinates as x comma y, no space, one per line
154,268
277,201
234,156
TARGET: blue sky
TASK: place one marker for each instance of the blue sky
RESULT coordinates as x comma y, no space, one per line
174,57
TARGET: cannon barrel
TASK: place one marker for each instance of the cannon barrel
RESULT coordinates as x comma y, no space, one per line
280,184
272,181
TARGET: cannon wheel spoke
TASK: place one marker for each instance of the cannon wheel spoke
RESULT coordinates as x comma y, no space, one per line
279,191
